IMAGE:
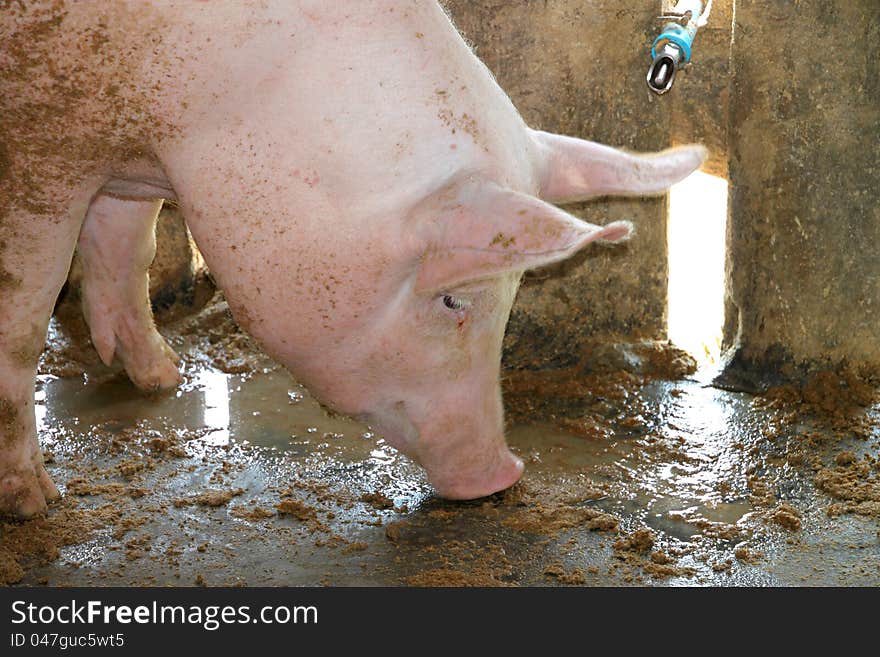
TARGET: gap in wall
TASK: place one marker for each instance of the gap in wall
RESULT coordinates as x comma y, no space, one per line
697,246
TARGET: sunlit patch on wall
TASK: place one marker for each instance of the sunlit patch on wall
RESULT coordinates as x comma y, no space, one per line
697,228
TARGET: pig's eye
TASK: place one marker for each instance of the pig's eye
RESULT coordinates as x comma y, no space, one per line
453,303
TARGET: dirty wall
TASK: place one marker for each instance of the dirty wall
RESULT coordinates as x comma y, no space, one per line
786,95
803,267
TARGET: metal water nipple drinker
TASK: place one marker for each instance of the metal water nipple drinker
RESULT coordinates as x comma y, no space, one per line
672,49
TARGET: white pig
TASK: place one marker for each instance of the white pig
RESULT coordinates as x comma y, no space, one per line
362,190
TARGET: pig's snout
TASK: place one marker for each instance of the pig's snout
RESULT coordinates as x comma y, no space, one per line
470,483
461,461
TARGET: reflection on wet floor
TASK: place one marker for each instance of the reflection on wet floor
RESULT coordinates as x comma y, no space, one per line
272,411
682,468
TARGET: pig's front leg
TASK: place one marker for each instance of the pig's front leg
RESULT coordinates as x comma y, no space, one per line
34,259
117,245
25,486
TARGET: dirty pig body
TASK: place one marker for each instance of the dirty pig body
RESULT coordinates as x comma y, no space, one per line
363,192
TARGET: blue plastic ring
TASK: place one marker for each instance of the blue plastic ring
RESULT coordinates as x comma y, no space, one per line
679,36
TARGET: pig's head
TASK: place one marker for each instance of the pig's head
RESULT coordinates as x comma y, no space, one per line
427,373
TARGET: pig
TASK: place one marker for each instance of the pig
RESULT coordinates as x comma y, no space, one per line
363,192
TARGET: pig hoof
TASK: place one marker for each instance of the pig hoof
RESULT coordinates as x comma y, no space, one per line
50,490
149,362
24,493
132,338
156,373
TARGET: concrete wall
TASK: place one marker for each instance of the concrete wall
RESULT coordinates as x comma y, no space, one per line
699,103
579,68
786,95
804,230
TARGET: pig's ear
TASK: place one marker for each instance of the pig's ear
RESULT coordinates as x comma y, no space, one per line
494,230
576,170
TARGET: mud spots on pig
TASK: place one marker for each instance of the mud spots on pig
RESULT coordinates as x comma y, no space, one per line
241,315
21,494
457,122
463,122
308,176
10,423
404,146
74,100
8,281
5,162
29,347
38,20
502,240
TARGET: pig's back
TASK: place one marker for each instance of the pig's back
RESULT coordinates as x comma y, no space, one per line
75,102
373,95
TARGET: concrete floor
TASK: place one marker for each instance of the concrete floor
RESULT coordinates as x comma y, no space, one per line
243,479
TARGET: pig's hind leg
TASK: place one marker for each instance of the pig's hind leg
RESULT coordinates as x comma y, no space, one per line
117,245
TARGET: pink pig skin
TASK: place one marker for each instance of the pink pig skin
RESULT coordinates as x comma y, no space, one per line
364,193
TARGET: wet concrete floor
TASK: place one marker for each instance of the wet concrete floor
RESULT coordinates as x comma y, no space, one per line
244,479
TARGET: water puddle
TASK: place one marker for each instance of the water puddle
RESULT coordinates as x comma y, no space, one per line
268,410
676,492
670,480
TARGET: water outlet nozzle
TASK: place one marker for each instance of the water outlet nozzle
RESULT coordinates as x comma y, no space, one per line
672,49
